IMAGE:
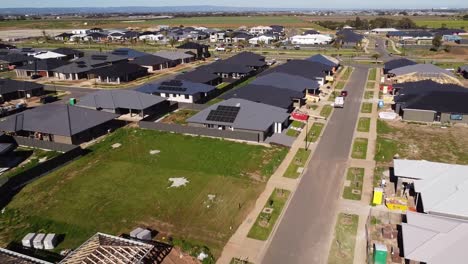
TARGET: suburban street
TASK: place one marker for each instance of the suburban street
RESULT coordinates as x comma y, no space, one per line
303,235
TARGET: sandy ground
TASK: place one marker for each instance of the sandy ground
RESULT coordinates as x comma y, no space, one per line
23,33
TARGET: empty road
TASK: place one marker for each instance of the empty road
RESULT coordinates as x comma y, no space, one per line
304,233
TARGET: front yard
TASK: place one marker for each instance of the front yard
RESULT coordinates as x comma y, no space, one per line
295,128
315,132
363,124
114,190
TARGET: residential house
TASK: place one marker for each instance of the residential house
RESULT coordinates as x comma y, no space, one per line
288,81
270,95
383,31
12,90
176,57
314,39
44,68
7,46
438,187
277,30
156,37
311,32
103,248
200,50
448,31
229,72
349,38
152,62
249,59
433,239
59,123
49,55
218,36
13,60
115,35
419,72
95,36
326,60
70,54
260,30
417,37
130,54
180,91
12,257
63,36
123,102
397,63
242,115
239,36
200,76
307,69
261,39
118,73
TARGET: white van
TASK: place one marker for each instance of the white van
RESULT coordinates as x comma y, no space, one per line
339,102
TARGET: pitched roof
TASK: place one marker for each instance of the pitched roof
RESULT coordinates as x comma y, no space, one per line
129,53
173,55
286,81
176,86
421,69
398,63
149,60
307,69
102,248
48,55
118,70
265,94
226,67
247,59
349,36
15,58
327,60
192,45
68,51
11,257
442,186
10,86
434,239
251,115
411,90
113,99
198,76
56,119
441,101
43,65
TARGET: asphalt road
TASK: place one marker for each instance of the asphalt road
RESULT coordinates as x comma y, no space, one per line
304,233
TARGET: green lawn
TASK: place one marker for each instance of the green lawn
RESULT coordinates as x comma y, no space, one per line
266,221
31,157
359,148
114,190
222,85
179,117
340,85
347,73
333,95
369,95
372,74
292,132
385,149
344,240
299,161
315,132
363,124
366,108
355,177
326,111
383,127
370,85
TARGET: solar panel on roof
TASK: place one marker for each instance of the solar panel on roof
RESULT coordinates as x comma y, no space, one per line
172,88
226,114
173,83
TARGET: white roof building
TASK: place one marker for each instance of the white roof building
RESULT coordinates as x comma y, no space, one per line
265,39
44,55
383,30
315,39
260,30
442,187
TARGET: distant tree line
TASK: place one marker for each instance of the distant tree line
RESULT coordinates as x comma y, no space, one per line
364,24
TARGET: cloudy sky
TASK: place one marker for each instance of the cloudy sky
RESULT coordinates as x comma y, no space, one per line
242,3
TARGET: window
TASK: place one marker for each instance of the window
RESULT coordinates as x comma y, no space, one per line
187,96
456,116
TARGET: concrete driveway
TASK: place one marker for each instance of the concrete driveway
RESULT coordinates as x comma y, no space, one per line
304,234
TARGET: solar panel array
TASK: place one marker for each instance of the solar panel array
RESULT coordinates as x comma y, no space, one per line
226,114
172,88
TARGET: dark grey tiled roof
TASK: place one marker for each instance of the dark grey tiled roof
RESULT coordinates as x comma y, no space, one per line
113,99
10,86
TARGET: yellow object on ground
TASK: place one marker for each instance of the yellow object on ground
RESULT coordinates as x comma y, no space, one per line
397,203
378,196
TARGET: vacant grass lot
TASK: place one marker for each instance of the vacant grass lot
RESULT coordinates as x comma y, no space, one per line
344,240
299,161
114,190
372,74
315,132
366,108
359,148
326,111
266,221
355,177
363,124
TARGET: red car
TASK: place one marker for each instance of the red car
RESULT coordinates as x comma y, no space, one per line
344,93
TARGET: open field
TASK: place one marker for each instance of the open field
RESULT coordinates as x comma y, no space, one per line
266,221
298,162
344,240
92,193
438,23
414,141
355,178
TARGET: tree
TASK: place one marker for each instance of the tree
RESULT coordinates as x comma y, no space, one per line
338,41
45,36
437,42
358,23
406,23
261,43
172,42
465,17
376,56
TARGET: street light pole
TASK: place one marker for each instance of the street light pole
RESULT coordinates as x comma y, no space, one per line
307,132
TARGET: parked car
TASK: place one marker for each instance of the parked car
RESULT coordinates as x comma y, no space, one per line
220,49
297,47
35,76
344,93
48,99
339,102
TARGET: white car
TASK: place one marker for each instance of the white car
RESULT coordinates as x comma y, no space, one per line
220,49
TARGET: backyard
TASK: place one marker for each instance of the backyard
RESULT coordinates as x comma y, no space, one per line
217,183
179,117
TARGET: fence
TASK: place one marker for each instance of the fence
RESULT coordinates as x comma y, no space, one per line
34,143
240,135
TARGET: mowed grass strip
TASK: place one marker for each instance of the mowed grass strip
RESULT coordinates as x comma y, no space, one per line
347,72
359,150
355,178
326,111
266,220
366,108
315,132
344,240
386,149
298,161
369,95
114,190
340,85
372,74
363,124
370,85
293,132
